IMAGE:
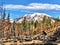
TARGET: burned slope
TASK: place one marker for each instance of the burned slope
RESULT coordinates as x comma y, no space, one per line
55,37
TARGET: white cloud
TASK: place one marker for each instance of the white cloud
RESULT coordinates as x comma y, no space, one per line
34,6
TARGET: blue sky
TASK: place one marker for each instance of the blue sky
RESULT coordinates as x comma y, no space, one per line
18,8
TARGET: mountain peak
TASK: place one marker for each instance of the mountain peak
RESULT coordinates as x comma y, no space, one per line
33,17
38,14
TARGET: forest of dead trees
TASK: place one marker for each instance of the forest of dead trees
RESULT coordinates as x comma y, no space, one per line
26,28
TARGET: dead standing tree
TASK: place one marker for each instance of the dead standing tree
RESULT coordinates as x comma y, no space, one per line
2,21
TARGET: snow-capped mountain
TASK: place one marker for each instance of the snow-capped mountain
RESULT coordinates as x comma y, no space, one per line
33,17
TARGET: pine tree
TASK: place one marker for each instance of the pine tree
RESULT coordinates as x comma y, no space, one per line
24,24
8,18
36,24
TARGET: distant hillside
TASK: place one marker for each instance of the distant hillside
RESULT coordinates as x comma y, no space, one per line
33,17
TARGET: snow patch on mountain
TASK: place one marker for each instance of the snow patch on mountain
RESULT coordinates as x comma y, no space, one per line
33,17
